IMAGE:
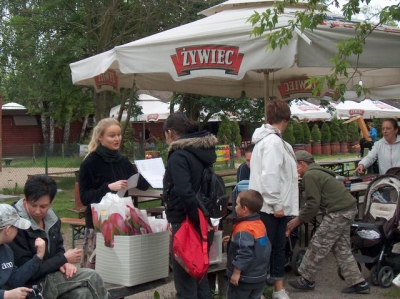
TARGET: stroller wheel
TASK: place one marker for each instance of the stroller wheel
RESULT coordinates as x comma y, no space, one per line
385,276
374,275
297,258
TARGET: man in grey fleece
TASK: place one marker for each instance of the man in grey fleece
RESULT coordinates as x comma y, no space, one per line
323,192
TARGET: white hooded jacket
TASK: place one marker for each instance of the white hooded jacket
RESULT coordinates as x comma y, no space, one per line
274,171
387,154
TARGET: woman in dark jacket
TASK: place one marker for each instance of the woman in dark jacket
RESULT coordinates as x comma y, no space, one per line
103,170
189,152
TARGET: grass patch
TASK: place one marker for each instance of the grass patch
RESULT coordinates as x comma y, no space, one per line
16,190
394,292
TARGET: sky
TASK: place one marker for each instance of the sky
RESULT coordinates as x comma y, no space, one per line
381,3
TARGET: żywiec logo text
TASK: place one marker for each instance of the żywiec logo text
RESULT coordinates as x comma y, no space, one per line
107,79
295,86
203,57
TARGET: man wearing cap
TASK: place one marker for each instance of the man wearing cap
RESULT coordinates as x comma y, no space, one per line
324,193
12,278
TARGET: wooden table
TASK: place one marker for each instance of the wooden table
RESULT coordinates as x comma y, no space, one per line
139,196
227,172
215,270
338,165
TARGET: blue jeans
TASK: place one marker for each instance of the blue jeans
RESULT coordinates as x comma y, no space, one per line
186,286
235,292
85,284
276,229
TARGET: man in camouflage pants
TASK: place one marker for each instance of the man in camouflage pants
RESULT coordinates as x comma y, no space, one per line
323,192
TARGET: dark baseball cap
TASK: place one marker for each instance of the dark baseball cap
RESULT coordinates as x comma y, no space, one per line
305,156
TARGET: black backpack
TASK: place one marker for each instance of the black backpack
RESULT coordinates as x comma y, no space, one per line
211,197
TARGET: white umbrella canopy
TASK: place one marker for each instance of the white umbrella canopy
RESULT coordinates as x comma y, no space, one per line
304,110
216,56
153,109
367,109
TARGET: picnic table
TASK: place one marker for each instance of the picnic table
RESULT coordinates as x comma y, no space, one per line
341,165
216,270
139,196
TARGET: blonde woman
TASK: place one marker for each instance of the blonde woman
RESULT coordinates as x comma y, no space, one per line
103,170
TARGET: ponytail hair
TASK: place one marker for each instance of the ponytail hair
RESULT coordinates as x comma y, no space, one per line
180,124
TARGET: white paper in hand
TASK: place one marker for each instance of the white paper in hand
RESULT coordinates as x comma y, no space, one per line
152,170
132,183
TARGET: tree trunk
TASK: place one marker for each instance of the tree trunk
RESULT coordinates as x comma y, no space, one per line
102,104
83,130
67,130
44,129
51,136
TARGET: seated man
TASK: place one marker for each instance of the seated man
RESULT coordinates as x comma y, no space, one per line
56,276
243,172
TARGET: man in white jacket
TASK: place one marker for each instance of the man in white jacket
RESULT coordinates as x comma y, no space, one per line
274,174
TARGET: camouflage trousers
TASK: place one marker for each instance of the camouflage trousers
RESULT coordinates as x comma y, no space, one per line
332,234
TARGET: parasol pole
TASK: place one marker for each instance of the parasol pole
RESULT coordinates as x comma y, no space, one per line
266,92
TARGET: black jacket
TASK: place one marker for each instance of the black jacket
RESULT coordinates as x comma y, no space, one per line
24,249
94,176
187,158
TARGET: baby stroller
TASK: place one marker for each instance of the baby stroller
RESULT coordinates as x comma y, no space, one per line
293,256
376,240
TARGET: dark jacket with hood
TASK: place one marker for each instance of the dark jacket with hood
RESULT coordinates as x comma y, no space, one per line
24,249
94,176
249,250
187,158
324,192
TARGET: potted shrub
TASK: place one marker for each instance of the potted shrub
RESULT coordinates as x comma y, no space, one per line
236,138
335,136
353,137
307,137
343,137
326,139
298,136
316,140
288,135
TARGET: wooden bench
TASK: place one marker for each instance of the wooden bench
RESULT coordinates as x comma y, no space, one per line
7,161
79,208
77,226
215,271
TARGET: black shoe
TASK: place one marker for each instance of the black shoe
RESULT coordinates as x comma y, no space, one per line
302,284
359,288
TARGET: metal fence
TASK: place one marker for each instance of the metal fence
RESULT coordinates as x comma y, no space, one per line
60,160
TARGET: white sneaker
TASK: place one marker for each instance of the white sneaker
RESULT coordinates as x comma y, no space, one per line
282,294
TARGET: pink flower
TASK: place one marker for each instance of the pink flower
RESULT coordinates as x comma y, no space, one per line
96,223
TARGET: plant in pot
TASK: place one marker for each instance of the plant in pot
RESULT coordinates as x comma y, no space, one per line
316,140
288,134
307,137
335,136
298,136
343,137
353,137
326,139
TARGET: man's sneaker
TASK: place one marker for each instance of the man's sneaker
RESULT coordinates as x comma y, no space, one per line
302,284
281,294
359,288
